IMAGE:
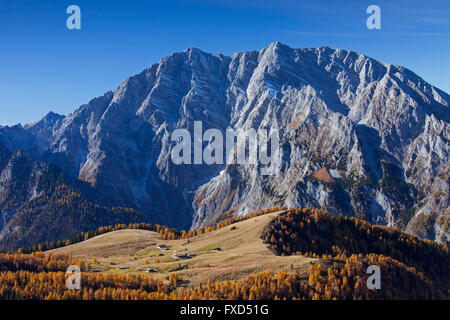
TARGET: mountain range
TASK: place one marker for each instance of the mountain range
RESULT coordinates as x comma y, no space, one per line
358,138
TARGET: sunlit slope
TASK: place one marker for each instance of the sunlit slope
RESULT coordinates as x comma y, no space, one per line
229,253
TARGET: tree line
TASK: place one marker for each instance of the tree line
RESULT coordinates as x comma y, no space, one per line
166,233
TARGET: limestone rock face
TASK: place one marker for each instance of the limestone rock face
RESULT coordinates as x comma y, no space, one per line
358,137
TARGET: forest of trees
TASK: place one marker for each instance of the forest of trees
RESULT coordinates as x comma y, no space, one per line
58,213
38,262
334,279
43,276
317,234
341,279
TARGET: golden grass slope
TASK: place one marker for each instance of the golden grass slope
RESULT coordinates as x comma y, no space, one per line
242,252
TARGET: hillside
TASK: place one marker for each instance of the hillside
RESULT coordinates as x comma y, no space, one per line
289,240
242,253
38,203
314,232
233,262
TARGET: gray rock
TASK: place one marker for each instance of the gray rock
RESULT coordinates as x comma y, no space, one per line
381,130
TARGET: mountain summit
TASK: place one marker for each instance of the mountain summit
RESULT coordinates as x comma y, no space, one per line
359,137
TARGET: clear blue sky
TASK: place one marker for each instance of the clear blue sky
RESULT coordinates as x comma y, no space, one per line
44,66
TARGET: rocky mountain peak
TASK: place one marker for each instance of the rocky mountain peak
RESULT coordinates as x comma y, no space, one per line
378,130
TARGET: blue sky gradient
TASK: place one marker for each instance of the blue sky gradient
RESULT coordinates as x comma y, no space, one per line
46,67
